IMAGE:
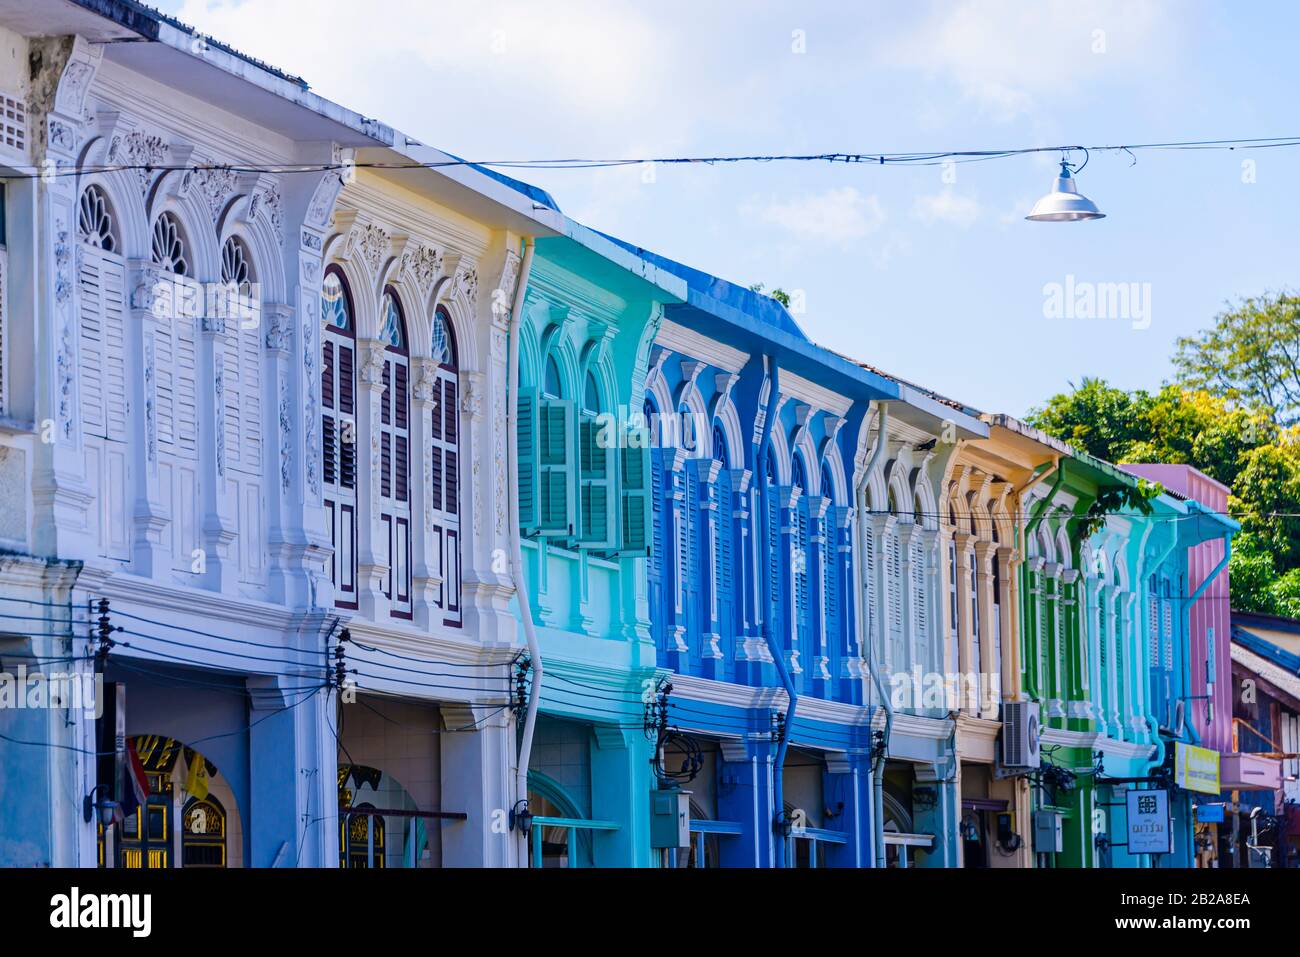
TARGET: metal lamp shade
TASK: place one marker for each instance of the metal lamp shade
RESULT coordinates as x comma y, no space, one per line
1064,204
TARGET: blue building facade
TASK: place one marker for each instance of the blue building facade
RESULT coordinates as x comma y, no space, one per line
759,447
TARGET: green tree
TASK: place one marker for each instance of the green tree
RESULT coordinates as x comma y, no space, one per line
1266,500
1231,440
1250,353
779,294
1095,418
1252,574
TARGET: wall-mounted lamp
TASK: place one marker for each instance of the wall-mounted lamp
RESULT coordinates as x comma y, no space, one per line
106,806
521,817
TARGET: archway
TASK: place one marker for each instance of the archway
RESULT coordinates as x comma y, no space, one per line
188,816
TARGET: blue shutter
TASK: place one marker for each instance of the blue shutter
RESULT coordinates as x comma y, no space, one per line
657,566
724,580
694,560
774,564
802,587
831,595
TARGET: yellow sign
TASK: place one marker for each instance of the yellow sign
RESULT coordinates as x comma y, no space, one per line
1196,769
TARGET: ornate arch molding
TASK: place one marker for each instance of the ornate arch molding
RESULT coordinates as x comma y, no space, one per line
249,218
723,414
1064,553
457,290
829,456
656,386
595,360
999,495
781,455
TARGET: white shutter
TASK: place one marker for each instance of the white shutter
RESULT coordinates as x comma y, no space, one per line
101,370
90,357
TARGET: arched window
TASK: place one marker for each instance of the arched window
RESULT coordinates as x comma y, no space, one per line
551,387
775,567
596,523
240,375
660,566
394,455
175,378
724,542
546,495
444,465
954,606
801,559
896,644
169,249
95,223
101,368
339,432
833,643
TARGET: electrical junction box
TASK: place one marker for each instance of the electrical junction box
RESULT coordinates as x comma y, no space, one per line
670,818
1047,832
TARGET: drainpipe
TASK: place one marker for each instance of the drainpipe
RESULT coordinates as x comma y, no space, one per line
878,767
778,769
1028,526
516,549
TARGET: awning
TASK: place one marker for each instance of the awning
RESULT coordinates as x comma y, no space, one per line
1243,771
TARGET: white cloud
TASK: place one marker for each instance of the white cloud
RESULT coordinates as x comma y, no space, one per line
947,207
837,216
484,63
1008,56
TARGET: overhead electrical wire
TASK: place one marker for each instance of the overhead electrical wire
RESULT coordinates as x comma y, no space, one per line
862,158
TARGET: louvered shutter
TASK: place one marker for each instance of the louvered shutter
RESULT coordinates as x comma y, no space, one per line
802,587
724,579
774,563
1044,638
657,566
919,597
830,589
594,467
103,346
526,454
894,574
1153,625
637,500
693,557
869,571
553,467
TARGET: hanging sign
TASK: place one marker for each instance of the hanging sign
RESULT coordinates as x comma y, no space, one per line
1196,769
1148,822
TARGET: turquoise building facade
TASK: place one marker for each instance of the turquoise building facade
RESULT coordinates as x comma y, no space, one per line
589,319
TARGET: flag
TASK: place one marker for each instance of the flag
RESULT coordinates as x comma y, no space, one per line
135,786
196,781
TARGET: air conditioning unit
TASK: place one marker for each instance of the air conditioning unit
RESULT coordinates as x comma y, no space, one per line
1020,734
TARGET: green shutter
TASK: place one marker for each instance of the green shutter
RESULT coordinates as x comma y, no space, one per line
594,504
635,496
553,465
527,454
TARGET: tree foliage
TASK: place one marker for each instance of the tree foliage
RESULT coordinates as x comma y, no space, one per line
1231,436
1250,353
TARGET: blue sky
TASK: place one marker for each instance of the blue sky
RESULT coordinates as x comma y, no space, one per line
939,282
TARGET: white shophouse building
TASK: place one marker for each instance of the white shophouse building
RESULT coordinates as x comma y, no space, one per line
243,477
